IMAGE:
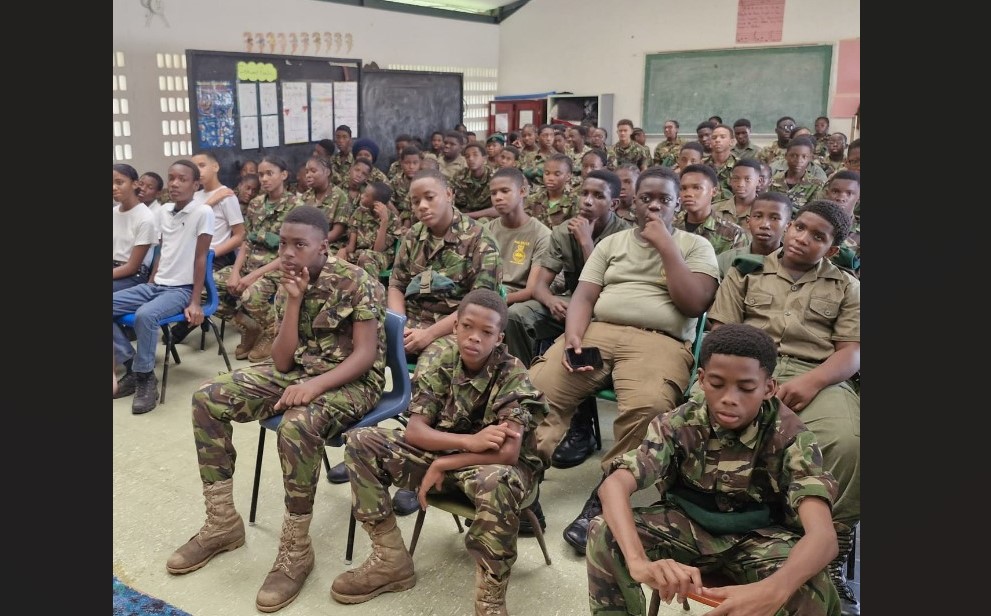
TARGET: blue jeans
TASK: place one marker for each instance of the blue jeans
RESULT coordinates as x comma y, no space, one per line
150,303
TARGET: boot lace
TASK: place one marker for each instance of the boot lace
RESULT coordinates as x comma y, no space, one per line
282,560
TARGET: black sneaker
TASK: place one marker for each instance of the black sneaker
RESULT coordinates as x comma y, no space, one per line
146,394
404,502
525,527
125,386
576,534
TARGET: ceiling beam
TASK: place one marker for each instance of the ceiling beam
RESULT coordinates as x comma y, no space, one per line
495,16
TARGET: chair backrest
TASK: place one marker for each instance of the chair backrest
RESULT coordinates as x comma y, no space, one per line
396,400
696,351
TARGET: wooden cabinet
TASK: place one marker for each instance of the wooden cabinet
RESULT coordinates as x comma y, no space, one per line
588,110
511,115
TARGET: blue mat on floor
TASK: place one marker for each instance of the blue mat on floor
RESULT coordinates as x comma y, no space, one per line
129,602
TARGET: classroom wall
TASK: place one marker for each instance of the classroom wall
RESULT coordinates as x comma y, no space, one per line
592,47
384,37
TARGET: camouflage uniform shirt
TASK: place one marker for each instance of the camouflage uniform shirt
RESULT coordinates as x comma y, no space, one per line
772,153
723,172
453,401
262,222
803,192
340,166
400,198
365,224
552,212
634,153
564,254
471,193
751,151
341,295
334,204
466,256
722,234
666,153
774,461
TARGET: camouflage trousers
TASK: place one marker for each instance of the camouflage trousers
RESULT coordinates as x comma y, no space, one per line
378,457
250,394
426,356
371,261
529,323
256,300
666,532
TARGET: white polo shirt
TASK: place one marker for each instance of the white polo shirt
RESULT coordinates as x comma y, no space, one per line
179,233
225,214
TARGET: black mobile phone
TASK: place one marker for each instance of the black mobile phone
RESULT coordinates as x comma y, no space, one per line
589,356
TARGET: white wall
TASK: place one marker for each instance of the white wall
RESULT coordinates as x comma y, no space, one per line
594,46
384,37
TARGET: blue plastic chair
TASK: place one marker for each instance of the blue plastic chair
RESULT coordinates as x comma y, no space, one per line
390,406
212,300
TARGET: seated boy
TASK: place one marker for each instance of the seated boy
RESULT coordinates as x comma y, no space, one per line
410,161
628,174
174,285
521,238
374,228
769,217
326,371
471,428
554,202
811,309
699,186
471,185
744,494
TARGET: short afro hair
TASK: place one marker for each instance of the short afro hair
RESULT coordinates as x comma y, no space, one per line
486,298
741,340
308,215
833,214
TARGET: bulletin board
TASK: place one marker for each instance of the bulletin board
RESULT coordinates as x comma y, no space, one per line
244,105
760,84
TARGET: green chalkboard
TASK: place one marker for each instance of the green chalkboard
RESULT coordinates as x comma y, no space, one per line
760,84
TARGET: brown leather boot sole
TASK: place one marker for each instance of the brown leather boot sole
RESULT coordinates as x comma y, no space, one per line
396,586
227,548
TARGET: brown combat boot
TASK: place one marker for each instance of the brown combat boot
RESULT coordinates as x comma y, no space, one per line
389,568
223,530
293,564
250,330
263,345
490,593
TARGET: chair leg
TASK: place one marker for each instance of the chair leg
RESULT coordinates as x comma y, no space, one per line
538,532
326,462
655,603
457,521
169,350
258,475
349,552
220,341
203,327
416,530
595,423
220,336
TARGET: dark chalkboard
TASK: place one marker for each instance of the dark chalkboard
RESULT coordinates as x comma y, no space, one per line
209,71
413,102
761,84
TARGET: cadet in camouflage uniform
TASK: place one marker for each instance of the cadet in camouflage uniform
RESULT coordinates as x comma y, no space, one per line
812,319
342,161
744,180
369,150
782,128
324,195
742,486
372,219
698,184
555,201
843,188
255,271
626,150
410,165
471,185
577,148
666,152
402,141
801,181
327,370
473,416
441,258
721,144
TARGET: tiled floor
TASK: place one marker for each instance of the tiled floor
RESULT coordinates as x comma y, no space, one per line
158,505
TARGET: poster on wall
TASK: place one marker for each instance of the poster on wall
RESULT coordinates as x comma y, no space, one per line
270,131
321,111
215,107
346,105
295,112
269,99
249,132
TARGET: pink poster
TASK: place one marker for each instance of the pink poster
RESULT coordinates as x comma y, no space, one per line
760,21
847,98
